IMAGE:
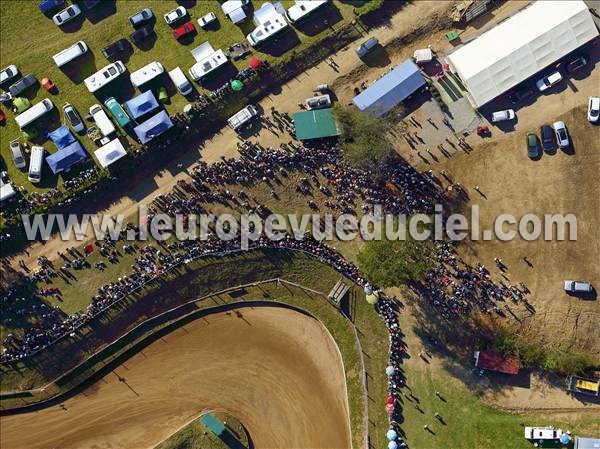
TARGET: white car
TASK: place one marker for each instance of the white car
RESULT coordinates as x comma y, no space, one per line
66,15
500,116
8,73
593,109
549,81
175,14
562,137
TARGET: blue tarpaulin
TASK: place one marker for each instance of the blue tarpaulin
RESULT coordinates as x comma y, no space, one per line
142,104
62,137
154,126
67,157
391,89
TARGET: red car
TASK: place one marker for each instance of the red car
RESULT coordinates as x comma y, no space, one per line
183,30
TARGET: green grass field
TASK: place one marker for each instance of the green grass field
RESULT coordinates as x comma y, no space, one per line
29,39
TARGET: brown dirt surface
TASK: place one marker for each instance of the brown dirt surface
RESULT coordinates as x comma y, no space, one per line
278,371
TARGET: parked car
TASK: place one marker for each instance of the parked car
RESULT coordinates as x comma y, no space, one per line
578,287
207,19
533,149
115,49
520,95
562,137
183,30
174,15
24,83
548,81
547,137
8,73
73,118
577,64
66,15
141,34
17,153
50,5
500,116
366,47
140,17
593,109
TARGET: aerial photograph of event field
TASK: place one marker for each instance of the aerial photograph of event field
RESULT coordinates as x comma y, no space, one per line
299,224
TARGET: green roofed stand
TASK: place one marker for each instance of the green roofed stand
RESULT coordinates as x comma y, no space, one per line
315,124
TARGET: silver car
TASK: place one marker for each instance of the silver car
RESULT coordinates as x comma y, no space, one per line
17,154
578,287
8,73
73,118
66,15
562,137
175,14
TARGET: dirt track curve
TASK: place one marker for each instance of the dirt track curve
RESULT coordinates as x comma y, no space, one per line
278,371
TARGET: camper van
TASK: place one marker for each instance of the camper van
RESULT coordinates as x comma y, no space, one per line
67,55
181,82
146,73
242,117
103,123
542,433
35,164
34,112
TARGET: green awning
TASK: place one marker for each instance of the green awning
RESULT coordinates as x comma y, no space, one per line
315,124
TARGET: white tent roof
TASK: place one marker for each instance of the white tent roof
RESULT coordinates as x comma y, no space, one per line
522,45
109,153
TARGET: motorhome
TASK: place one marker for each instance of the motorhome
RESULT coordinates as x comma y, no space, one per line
207,60
146,73
303,8
104,76
542,433
269,21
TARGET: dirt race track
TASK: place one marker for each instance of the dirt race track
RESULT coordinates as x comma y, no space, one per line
278,371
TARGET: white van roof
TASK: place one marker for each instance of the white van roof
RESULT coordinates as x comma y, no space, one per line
146,73
101,119
34,112
241,117
68,54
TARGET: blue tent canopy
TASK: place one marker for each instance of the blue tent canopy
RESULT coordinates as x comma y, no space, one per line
154,126
142,104
67,157
62,137
390,89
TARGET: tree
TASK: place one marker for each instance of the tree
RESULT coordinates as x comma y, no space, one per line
389,263
364,139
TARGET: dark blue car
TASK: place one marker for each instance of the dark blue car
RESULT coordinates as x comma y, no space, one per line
49,5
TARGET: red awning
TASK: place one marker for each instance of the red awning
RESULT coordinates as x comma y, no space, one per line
255,63
493,361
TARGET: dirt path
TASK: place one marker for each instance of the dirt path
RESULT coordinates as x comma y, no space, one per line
278,371
224,142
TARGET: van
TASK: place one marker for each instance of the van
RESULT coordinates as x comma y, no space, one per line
68,54
117,112
35,164
181,82
318,102
242,117
34,112
500,116
578,287
363,49
104,124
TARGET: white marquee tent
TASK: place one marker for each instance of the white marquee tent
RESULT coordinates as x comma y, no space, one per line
520,46
109,153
